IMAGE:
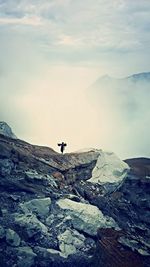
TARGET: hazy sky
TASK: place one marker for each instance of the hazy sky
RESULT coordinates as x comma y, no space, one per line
51,51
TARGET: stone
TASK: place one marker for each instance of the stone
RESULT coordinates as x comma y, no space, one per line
143,252
14,197
109,169
50,219
133,244
6,166
32,175
30,224
54,251
38,206
85,217
26,257
70,241
12,238
2,232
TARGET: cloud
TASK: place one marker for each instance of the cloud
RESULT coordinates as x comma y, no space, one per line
110,24
32,21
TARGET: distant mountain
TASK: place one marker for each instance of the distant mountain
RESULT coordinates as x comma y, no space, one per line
122,109
144,76
6,130
108,80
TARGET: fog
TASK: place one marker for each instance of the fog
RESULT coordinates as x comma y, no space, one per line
46,102
123,112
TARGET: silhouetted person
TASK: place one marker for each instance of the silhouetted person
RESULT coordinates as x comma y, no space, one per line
62,146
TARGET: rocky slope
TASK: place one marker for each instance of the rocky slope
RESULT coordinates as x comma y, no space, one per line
79,209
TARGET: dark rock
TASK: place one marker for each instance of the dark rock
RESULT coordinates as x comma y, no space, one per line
6,166
26,257
12,238
2,232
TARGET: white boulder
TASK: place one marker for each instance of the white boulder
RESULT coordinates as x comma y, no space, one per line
85,217
109,169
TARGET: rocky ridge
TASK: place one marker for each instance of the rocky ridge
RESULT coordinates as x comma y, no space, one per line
77,209
6,130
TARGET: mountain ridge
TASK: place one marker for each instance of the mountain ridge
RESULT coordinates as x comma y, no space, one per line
139,75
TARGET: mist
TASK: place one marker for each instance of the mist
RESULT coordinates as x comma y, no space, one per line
122,107
44,103
48,103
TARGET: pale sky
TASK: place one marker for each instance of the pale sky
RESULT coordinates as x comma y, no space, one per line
52,51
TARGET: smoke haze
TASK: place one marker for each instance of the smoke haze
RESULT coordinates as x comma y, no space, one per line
51,52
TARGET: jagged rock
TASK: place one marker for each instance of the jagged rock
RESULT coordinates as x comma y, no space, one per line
30,224
134,245
26,257
6,130
2,232
14,197
109,169
52,257
12,238
86,217
38,206
70,241
32,176
143,252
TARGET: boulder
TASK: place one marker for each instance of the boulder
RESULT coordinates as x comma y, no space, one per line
85,217
109,169
33,176
12,238
38,206
30,224
26,257
70,241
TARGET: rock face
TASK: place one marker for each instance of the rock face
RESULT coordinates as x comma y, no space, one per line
6,130
86,209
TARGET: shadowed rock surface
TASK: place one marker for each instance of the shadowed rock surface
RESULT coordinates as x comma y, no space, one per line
79,209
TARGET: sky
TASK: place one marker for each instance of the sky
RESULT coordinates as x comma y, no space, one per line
52,51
